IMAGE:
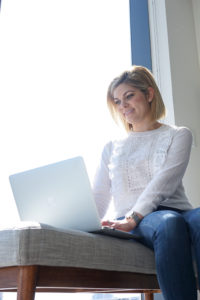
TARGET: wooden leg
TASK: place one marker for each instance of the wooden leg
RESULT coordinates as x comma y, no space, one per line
148,296
27,283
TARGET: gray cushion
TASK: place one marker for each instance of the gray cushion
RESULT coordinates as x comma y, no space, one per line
34,243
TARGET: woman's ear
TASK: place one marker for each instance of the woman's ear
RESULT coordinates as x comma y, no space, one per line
150,94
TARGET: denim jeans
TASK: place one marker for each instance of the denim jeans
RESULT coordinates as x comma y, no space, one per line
173,235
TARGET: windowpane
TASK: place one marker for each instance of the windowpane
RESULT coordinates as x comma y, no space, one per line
57,59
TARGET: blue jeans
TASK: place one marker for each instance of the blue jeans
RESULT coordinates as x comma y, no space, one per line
171,234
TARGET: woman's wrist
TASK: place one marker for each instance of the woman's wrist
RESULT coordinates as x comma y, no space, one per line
134,218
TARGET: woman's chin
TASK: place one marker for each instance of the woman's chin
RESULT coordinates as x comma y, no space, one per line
130,120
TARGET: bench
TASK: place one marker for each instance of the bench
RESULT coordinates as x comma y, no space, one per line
40,258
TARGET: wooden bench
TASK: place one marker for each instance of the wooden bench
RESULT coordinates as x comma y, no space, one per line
40,258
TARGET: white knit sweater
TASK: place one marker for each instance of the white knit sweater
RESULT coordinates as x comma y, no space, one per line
143,171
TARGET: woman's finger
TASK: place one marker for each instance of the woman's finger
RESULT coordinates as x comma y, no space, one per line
106,223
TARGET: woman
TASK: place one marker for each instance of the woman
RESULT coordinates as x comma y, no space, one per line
143,175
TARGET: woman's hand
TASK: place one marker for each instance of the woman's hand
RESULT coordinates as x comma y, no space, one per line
123,225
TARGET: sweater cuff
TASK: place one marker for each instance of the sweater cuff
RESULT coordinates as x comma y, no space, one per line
143,210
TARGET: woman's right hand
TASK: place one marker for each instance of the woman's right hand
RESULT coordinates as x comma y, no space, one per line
107,223
123,225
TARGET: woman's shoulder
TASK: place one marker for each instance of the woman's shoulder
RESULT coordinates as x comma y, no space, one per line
181,130
114,145
108,147
117,140
181,134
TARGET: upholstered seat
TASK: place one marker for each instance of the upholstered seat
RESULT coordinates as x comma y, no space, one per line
33,250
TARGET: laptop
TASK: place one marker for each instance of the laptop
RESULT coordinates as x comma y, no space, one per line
60,195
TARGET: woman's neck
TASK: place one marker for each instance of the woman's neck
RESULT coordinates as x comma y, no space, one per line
146,127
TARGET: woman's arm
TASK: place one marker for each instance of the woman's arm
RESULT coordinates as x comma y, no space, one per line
166,181
101,185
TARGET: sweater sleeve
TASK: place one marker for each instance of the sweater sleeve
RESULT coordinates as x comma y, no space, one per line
166,181
101,184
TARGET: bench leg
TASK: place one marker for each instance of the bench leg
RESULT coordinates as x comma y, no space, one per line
26,282
148,296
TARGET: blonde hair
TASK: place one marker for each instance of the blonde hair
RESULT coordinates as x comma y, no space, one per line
141,78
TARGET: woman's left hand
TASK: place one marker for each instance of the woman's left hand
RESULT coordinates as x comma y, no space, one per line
123,225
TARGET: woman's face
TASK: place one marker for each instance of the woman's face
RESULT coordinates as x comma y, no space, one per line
133,104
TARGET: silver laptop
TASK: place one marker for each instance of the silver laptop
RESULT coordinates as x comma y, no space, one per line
59,195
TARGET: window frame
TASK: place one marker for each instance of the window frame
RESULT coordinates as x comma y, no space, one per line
150,47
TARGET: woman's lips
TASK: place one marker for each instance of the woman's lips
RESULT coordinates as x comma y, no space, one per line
126,113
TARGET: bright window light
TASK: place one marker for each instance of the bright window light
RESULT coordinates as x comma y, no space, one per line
57,59
78,296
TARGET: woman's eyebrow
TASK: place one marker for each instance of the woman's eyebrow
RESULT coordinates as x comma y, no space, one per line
129,91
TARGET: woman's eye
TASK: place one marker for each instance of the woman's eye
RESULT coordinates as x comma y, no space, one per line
129,96
117,102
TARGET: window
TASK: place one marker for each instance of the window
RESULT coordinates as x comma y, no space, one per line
57,59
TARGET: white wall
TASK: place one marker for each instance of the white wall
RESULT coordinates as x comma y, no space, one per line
196,12
185,75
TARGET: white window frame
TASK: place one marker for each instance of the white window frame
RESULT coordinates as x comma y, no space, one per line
160,54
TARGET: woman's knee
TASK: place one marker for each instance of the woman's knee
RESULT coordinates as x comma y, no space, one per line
192,218
172,225
160,227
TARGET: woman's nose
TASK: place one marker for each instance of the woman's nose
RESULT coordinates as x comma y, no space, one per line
124,103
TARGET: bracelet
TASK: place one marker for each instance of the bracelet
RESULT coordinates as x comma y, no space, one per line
134,217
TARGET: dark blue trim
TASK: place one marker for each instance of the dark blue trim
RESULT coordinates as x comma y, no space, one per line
140,33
